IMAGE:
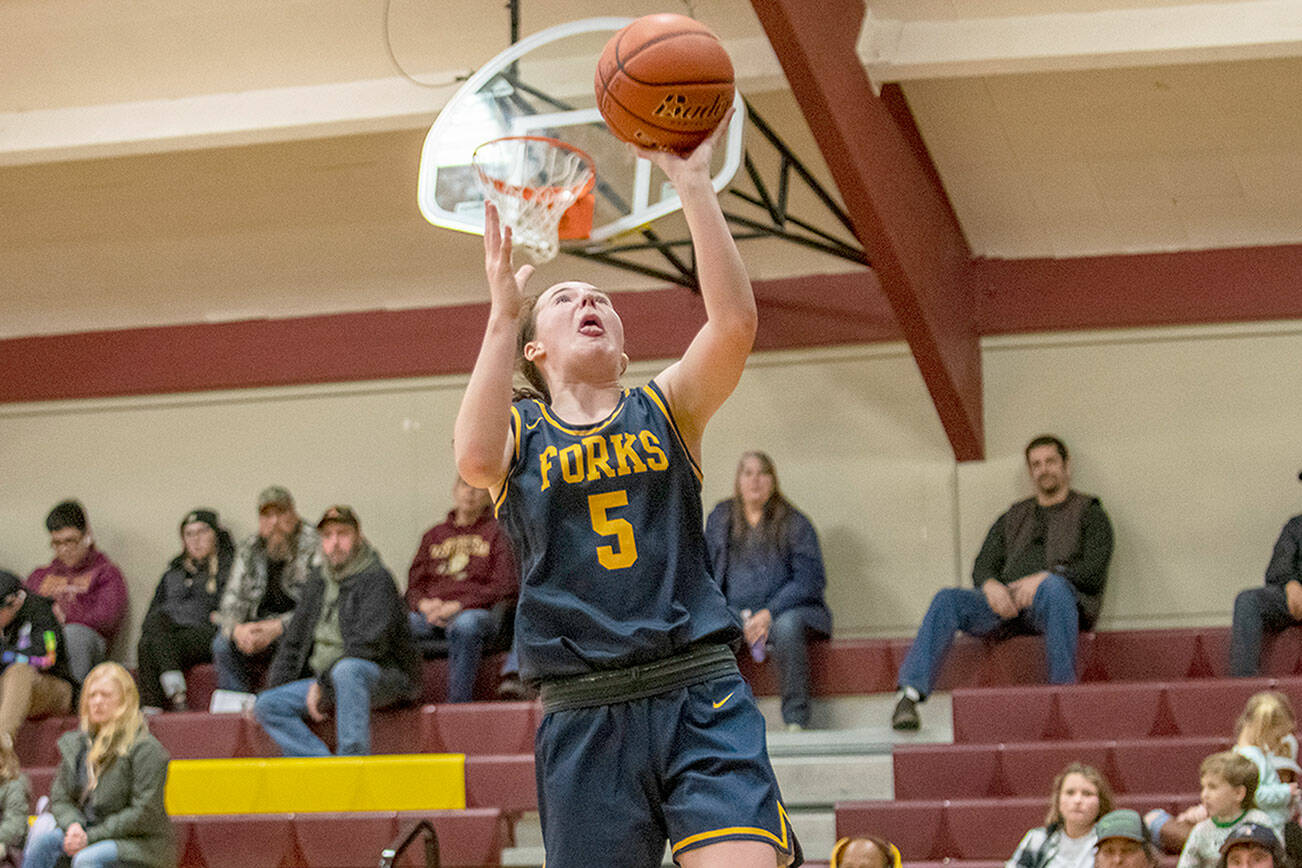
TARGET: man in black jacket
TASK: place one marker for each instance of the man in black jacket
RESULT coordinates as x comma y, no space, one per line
347,649
1269,609
1041,570
36,679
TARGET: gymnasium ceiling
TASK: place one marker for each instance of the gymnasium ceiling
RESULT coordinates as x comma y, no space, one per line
183,161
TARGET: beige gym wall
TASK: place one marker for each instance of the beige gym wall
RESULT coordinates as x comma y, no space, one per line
1189,435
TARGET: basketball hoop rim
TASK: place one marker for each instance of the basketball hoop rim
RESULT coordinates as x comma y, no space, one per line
502,186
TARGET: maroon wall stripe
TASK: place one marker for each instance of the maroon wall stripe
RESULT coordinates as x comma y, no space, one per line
812,311
1194,287
1015,296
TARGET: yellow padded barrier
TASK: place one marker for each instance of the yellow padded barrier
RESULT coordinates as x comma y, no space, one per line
409,782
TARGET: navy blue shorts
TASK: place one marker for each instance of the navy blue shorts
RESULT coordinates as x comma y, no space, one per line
689,765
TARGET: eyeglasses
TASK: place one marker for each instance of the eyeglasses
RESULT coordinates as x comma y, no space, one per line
66,542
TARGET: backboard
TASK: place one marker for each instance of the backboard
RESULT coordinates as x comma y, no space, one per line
543,86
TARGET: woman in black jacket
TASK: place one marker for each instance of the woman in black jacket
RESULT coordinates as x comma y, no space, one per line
178,629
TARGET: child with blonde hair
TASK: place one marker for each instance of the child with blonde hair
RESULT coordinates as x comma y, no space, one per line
15,801
1263,730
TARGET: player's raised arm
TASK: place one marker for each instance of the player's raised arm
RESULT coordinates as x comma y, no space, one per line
482,435
699,383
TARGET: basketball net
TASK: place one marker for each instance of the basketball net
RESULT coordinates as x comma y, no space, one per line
533,181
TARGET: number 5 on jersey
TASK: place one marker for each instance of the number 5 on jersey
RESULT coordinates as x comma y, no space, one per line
624,552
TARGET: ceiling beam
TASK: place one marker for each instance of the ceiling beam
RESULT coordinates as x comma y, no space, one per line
1058,38
900,215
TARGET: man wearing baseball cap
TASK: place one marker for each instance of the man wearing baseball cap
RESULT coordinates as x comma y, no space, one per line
265,582
1123,841
1251,845
349,635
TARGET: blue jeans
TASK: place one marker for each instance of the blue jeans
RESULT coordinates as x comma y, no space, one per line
235,669
1257,611
789,642
466,635
281,710
1052,613
44,850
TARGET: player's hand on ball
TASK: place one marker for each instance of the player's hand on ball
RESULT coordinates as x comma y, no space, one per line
676,165
506,287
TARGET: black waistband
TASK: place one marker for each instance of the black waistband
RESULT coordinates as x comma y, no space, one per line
700,664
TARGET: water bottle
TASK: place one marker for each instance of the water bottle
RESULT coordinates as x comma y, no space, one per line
757,650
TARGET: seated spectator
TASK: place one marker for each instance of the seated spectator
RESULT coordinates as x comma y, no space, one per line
15,803
36,681
349,633
1289,773
1265,729
1269,609
266,580
89,594
107,795
864,852
461,587
179,627
1066,840
1252,846
1041,570
765,556
1263,734
1123,841
1228,781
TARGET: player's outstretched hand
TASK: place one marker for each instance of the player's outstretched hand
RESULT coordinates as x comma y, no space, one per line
676,166
505,287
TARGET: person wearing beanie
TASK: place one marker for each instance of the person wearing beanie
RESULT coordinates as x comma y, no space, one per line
87,589
179,627
35,679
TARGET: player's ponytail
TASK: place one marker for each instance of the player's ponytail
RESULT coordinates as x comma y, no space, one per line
537,385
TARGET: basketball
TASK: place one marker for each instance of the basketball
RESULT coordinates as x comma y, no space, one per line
664,82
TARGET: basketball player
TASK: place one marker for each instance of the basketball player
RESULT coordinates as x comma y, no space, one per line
649,731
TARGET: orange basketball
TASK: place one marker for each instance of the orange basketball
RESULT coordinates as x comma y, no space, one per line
664,81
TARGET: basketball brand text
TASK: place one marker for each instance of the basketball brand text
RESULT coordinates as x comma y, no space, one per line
675,106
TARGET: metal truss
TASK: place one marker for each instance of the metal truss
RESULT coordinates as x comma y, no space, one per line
762,212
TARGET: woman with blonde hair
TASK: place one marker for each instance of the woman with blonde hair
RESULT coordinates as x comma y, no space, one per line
1066,840
107,796
15,802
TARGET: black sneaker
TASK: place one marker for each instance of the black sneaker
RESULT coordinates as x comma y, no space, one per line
905,717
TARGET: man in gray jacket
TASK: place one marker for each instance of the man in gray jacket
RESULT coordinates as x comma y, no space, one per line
266,582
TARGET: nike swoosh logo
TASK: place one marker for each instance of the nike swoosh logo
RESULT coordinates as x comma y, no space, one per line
534,424
722,701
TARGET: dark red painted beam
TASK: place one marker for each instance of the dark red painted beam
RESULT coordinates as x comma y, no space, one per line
900,214
821,310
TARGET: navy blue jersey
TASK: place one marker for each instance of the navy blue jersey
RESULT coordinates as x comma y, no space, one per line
606,522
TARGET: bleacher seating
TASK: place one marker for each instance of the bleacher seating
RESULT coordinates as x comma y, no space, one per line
1151,705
